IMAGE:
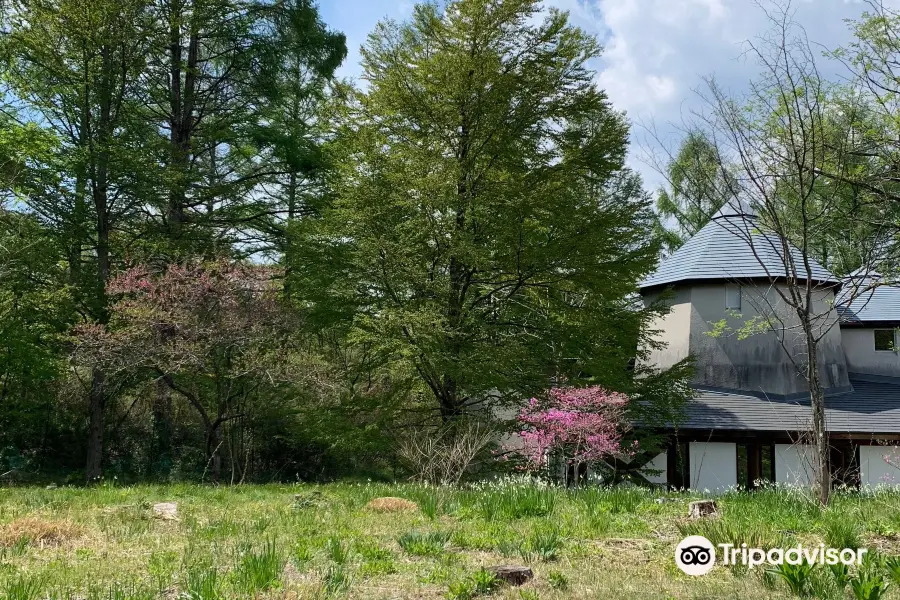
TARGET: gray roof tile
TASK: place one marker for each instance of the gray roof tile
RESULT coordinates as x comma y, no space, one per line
732,247
873,302
872,407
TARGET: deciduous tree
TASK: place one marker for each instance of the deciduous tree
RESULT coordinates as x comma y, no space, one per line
484,234
214,333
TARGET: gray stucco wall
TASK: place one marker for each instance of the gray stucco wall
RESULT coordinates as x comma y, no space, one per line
673,329
861,356
758,363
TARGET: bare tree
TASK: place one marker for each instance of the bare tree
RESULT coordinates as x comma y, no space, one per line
793,142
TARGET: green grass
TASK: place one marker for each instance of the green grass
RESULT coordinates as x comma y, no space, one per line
308,541
423,544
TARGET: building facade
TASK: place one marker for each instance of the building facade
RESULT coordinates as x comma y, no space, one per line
750,418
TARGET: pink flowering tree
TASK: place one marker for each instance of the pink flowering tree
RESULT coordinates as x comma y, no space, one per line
214,334
582,425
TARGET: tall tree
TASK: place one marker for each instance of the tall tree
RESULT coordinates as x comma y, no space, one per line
795,154
700,182
484,235
225,331
872,57
292,123
74,66
35,302
201,89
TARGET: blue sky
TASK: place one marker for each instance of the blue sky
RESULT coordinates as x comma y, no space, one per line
656,51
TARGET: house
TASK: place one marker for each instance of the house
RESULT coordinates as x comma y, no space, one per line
751,416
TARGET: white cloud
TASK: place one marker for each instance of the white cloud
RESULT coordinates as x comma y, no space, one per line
658,51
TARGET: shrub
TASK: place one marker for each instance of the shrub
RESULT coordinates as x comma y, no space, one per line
582,424
444,456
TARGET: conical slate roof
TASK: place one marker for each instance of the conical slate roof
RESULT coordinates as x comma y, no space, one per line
732,247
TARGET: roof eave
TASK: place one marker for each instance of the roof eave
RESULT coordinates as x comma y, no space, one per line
829,283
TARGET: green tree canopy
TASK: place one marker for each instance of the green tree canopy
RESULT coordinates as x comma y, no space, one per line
483,235
700,182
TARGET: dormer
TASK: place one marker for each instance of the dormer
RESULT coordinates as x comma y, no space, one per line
728,274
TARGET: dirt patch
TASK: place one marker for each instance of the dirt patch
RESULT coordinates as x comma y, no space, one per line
38,532
390,504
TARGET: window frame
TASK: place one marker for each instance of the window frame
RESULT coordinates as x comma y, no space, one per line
730,288
893,333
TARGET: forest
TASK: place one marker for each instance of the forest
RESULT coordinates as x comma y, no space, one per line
221,261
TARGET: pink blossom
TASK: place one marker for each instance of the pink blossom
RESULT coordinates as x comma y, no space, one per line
586,424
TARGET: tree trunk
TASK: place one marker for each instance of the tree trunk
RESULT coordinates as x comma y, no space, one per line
99,174
820,435
460,274
181,118
213,456
93,470
162,430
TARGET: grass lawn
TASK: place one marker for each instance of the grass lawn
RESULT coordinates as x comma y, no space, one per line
304,541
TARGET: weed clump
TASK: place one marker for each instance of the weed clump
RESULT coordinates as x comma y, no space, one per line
423,544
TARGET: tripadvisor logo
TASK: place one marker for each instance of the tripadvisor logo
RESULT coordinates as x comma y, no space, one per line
696,555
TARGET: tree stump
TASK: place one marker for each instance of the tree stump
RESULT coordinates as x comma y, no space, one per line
702,508
513,575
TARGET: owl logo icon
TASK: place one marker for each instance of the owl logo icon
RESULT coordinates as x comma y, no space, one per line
695,555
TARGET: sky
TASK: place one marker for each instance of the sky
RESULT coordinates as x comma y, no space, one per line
656,52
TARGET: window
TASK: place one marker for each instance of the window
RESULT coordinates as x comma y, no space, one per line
733,297
884,340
